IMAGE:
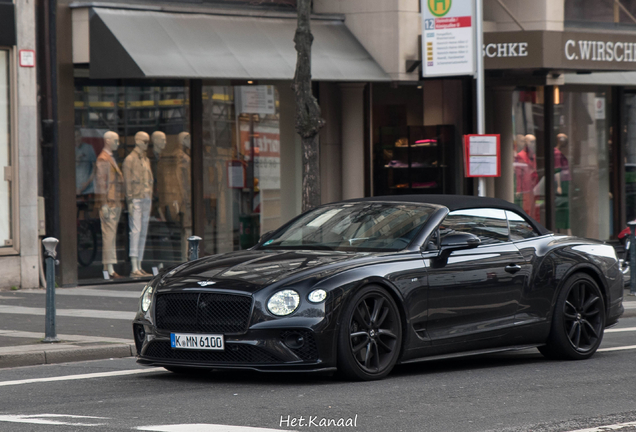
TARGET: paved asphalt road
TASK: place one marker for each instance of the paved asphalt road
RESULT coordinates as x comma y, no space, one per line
511,392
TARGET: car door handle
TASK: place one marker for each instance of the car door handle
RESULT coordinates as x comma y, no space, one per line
513,268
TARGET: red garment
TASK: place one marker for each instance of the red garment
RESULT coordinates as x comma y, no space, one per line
527,178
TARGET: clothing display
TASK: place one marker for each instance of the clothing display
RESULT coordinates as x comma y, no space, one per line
109,182
138,218
562,201
139,182
173,185
109,217
137,176
84,165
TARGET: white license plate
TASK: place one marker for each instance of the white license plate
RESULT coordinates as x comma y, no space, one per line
213,342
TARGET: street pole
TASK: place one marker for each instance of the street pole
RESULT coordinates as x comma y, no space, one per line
481,105
193,249
50,334
632,257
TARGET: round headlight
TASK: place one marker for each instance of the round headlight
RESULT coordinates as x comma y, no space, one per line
283,302
146,299
317,296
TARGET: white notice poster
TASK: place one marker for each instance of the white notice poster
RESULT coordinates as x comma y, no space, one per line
482,155
447,37
256,99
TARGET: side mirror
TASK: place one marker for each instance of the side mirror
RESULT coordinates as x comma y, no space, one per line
459,241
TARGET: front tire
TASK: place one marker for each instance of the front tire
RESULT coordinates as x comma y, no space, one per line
578,321
370,336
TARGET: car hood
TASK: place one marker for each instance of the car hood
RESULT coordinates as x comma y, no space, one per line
252,270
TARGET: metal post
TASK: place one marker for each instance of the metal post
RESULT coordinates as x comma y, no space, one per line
50,243
193,248
632,257
481,104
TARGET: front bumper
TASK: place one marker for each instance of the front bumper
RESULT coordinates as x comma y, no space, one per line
265,349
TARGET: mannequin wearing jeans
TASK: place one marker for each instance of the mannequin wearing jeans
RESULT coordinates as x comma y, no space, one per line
109,183
139,182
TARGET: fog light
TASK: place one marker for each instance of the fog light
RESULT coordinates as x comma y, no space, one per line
294,340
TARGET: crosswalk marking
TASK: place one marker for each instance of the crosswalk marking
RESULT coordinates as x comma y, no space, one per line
79,313
82,376
45,419
87,292
206,428
620,348
617,426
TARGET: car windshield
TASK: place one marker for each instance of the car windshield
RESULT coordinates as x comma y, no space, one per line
367,226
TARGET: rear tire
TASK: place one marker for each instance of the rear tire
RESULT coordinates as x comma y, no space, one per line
370,336
578,321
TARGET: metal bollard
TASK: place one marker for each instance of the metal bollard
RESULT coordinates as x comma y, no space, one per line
193,247
50,243
632,257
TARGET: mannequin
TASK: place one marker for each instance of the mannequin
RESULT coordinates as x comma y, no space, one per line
109,182
173,186
158,139
139,183
158,143
184,141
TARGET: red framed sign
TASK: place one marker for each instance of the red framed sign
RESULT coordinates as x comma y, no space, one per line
26,58
482,155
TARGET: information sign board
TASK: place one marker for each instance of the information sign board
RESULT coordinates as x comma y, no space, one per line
482,156
448,37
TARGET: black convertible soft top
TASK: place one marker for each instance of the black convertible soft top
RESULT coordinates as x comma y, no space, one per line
460,202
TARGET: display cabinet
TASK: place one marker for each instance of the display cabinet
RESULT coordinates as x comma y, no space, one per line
412,159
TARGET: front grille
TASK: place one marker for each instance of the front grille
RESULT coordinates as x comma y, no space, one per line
203,312
234,353
309,350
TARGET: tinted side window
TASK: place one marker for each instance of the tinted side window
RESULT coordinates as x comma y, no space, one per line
490,225
520,229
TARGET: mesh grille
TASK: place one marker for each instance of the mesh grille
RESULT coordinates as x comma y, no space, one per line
203,312
232,354
309,350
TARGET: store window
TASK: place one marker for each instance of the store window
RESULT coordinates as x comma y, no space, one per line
527,126
629,142
133,175
241,165
6,229
584,195
599,11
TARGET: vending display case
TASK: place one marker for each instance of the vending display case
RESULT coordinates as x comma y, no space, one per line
412,159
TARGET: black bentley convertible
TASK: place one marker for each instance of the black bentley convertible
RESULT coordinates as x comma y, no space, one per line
361,285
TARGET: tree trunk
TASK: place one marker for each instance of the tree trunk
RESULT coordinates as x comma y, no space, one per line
308,120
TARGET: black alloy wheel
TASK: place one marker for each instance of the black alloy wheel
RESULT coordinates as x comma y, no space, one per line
370,335
578,322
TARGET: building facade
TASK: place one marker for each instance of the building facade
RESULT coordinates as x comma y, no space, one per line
160,120
19,223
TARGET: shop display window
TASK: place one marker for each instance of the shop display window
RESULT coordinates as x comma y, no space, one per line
528,145
241,165
133,179
6,228
411,159
629,142
582,168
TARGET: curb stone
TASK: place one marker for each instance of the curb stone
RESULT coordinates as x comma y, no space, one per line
51,356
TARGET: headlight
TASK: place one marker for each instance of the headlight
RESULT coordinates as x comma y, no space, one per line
283,302
146,298
317,296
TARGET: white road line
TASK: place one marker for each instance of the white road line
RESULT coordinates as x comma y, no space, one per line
617,426
620,348
62,337
87,292
629,305
81,377
206,428
80,313
42,419
617,330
